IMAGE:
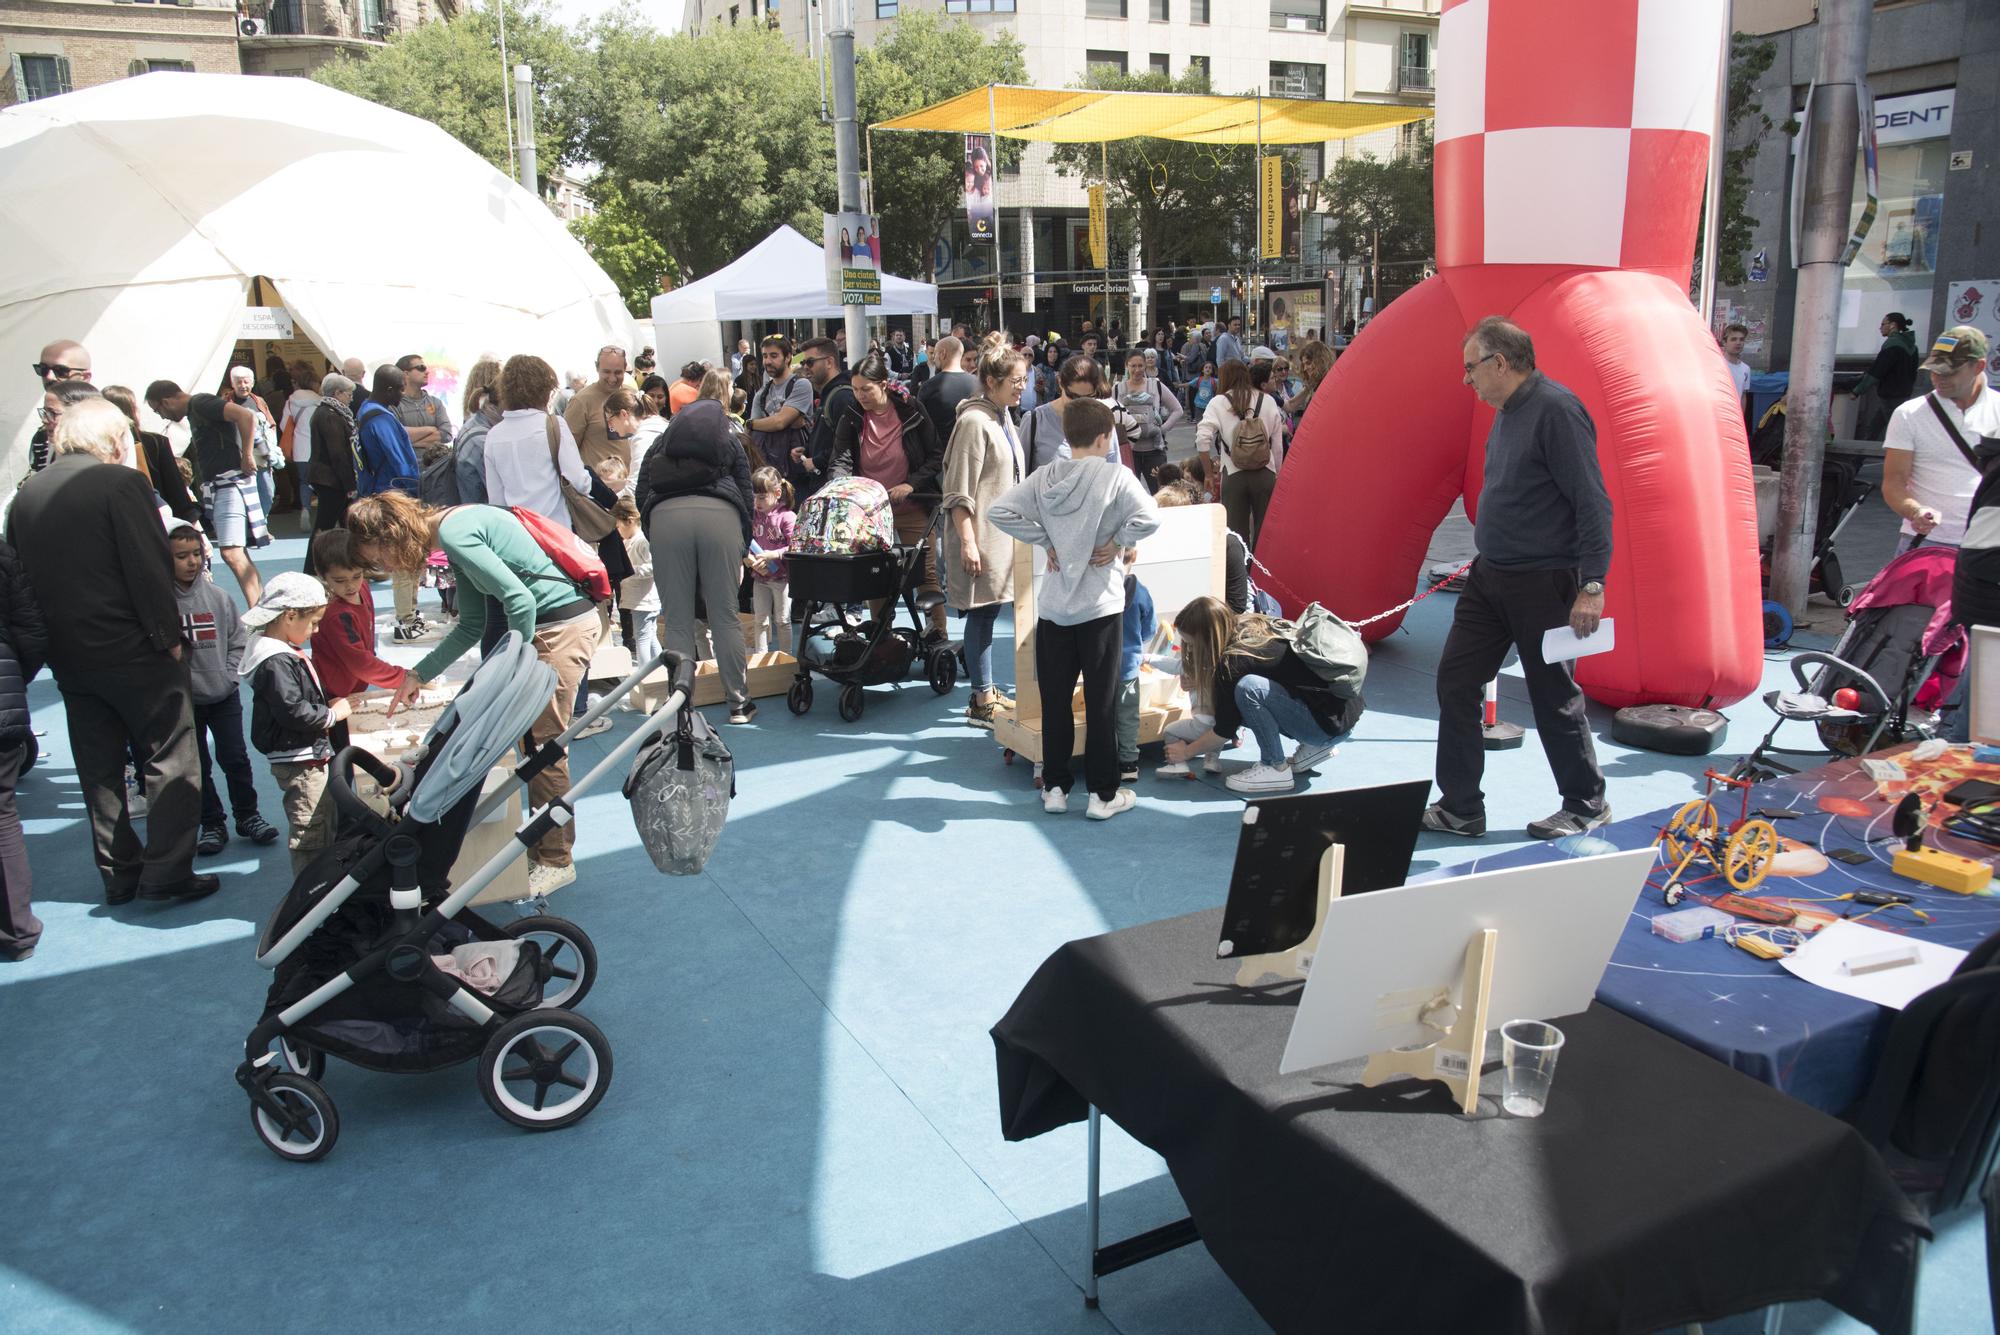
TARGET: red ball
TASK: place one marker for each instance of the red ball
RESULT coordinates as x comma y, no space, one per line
1847,698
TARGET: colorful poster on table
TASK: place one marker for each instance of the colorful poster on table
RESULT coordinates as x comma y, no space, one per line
981,214
852,244
1977,303
1271,208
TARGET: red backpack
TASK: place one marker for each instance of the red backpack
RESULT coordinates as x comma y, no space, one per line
573,556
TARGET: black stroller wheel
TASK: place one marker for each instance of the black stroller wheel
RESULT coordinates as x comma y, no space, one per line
799,699
571,958
943,671
851,702
302,1058
309,1127
545,1070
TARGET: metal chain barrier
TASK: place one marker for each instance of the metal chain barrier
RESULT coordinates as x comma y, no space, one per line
1399,607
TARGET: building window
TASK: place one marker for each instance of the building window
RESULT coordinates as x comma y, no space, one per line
1104,9
1299,15
884,9
1157,63
1112,61
372,21
1158,10
1289,79
732,16
1197,11
979,6
43,76
1198,63
170,67
1418,76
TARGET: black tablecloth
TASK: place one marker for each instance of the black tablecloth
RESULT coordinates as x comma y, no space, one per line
1659,1188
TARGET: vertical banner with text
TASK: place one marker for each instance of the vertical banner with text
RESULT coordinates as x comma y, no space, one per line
1271,207
1100,229
981,213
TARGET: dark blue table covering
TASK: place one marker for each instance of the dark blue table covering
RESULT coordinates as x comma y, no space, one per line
1815,1045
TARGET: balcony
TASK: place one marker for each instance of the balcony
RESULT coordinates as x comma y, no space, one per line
321,19
1418,79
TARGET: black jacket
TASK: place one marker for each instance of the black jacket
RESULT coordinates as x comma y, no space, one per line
90,539
830,404
1276,662
168,484
24,644
920,445
332,450
289,718
697,455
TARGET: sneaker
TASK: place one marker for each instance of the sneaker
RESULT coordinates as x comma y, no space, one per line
1122,800
1174,769
543,880
744,713
1211,764
413,629
1055,801
592,729
1128,773
1439,821
1310,757
20,955
212,841
256,829
981,716
1261,778
1566,822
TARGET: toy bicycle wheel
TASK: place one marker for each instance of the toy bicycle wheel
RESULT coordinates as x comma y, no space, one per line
1752,850
1693,826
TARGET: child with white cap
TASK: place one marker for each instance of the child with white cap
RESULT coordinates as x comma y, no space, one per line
289,713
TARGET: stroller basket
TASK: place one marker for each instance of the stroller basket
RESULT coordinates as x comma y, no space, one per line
858,578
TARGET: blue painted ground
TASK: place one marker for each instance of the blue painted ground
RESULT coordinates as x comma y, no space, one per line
802,1131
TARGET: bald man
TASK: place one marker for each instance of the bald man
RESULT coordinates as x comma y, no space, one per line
64,359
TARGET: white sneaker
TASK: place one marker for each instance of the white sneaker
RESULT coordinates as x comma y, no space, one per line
1055,801
592,729
1261,778
1211,764
1174,769
1122,800
542,879
1310,757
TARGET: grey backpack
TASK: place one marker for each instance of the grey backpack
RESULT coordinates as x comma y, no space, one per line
680,786
1331,648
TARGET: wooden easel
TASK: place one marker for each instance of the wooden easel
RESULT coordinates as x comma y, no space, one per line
1455,1057
1297,962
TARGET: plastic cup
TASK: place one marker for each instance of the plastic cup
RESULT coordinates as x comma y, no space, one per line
1528,1050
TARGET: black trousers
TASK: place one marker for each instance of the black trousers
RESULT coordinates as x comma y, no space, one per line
331,513
222,720
1143,464
1061,653
1246,495
1499,610
20,929
146,707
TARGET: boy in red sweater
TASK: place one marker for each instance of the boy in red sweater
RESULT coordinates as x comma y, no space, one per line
343,648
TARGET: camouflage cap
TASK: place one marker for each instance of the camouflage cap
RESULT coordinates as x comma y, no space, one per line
1955,347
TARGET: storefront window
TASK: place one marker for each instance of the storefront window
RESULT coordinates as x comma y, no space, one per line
1897,267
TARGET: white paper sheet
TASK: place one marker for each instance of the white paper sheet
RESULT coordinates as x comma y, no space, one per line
1560,644
1820,959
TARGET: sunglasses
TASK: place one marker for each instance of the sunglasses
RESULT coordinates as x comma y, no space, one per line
57,371
418,367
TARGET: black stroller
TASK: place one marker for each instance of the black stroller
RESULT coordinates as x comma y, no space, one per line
1865,695
378,959
863,648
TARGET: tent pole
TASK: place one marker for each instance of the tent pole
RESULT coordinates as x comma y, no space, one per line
1256,251
999,265
868,178
1104,161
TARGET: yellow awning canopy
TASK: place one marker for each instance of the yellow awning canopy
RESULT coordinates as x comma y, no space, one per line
1079,116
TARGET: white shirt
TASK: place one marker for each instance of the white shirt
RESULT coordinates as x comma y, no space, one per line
517,464
299,412
1740,373
1218,428
1939,475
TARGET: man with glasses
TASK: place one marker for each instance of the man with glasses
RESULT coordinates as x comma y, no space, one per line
1544,539
422,414
585,414
781,411
64,359
820,359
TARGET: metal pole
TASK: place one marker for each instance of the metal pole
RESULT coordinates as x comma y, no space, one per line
1090,1192
1250,289
1027,221
506,93
1711,243
1833,123
1104,325
524,107
847,150
999,218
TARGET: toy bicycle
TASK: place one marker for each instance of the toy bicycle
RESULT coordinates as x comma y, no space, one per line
1740,854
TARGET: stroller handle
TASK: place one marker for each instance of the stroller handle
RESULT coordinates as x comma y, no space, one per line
340,781
1814,658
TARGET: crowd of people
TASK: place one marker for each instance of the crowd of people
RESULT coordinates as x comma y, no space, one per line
689,490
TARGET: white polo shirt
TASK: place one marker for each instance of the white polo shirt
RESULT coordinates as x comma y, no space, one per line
1939,475
518,471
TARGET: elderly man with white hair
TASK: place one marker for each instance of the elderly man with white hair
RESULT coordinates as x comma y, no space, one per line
90,540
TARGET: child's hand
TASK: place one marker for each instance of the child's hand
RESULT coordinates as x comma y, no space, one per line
340,709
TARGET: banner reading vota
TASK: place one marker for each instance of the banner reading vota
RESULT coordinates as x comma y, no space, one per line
853,248
981,218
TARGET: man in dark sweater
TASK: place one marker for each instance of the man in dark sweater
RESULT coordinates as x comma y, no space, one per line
91,542
1544,538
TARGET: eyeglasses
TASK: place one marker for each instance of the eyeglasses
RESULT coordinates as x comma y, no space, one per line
57,371
419,366
1471,366
807,363
49,416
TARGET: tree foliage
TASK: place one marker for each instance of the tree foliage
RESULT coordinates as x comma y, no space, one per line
1745,129
450,73
628,252
1194,205
919,178
1367,197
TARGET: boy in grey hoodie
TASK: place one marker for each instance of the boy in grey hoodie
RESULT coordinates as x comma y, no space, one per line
1084,510
216,638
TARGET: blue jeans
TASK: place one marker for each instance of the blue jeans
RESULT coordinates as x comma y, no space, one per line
1273,713
979,646
223,720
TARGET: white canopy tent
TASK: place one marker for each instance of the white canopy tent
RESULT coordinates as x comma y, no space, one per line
782,277
138,214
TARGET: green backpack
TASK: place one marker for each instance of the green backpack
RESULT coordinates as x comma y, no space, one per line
1330,647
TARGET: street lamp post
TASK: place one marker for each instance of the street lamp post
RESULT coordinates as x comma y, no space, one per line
847,148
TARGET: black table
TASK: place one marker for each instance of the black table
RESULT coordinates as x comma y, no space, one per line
1660,1188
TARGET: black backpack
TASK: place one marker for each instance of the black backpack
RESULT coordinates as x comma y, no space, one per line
437,485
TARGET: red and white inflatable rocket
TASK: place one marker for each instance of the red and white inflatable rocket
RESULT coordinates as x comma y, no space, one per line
1572,152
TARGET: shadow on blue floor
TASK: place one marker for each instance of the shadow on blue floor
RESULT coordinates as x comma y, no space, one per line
801,1131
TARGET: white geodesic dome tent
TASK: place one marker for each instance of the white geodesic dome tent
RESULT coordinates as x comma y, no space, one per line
137,216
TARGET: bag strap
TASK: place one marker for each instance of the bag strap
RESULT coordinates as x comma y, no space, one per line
1950,429
555,445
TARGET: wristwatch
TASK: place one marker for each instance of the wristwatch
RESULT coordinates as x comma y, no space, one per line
1595,587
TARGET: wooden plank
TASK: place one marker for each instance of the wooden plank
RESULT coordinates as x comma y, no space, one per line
1024,736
